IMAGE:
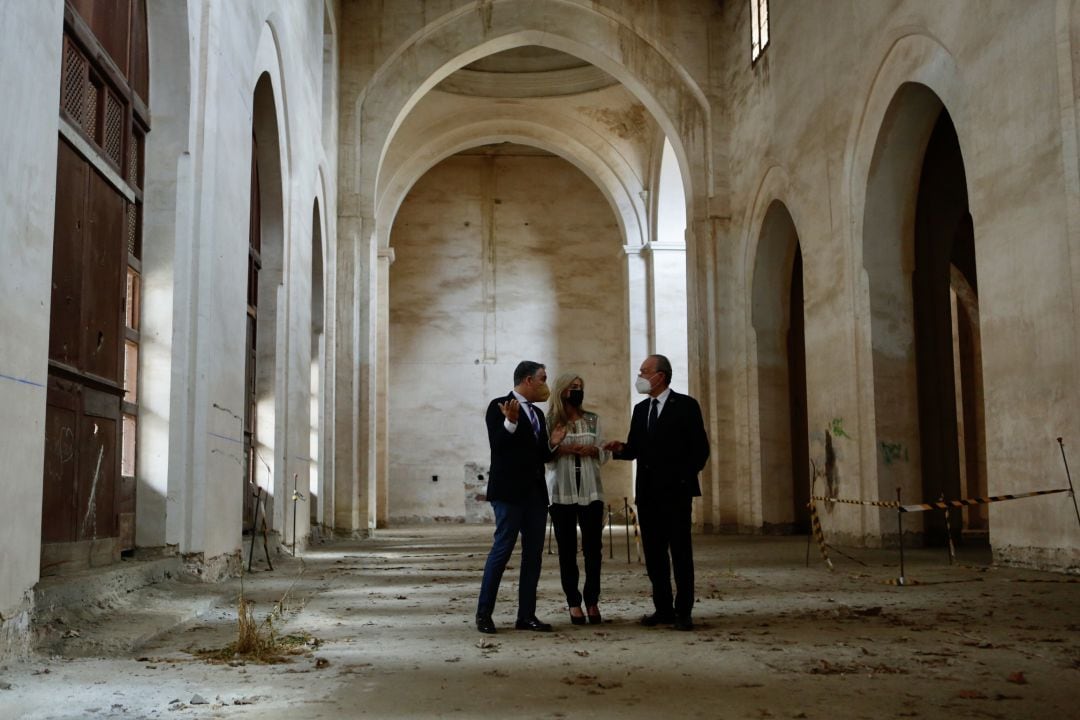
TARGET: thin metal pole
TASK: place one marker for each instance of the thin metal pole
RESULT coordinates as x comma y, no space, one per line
1069,476
610,546
266,539
295,497
550,523
900,526
254,527
626,522
948,531
810,534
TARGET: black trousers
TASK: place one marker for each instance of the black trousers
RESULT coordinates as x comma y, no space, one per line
566,519
665,538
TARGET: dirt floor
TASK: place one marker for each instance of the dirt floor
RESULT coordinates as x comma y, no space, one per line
385,630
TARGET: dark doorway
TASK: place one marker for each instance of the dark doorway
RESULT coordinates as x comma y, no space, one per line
948,355
780,339
800,430
251,340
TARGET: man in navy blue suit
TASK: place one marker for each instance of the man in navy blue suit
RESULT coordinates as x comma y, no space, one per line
520,445
668,440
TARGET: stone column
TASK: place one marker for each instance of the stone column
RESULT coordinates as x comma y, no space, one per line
350,494
669,302
638,305
382,387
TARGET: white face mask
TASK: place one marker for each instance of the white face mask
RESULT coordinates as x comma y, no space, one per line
643,385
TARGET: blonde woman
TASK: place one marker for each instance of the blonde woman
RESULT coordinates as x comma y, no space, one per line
577,495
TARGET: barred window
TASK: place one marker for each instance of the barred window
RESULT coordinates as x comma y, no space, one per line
759,28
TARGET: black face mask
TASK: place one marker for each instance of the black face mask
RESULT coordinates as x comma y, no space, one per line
575,398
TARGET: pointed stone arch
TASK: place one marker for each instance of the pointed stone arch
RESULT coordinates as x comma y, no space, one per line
456,39
910,90
773,492
267,458
375,110
592,156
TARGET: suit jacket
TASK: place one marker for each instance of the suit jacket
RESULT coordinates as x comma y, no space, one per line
517,459
670,456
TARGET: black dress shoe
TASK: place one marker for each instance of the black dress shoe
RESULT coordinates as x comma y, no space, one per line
578,619
485,624
532,624
658,618
683,622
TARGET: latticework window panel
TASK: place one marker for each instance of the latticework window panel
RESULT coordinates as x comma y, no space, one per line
90,111
134,150
74,91
133,244
112,140
79,94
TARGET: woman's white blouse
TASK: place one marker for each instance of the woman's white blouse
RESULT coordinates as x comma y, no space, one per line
561,476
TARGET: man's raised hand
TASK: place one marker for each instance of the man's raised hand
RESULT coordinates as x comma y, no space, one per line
510,410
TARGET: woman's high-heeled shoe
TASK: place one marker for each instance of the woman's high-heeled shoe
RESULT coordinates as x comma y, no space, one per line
577,619
594,615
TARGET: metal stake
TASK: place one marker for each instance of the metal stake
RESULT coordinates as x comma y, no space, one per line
1069,475
266,538
810,534
900,526
610,546
295,497
254,527
948,532
550,524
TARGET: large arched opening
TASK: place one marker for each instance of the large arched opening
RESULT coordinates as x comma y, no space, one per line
667,94
502,253
317,376
948,350
780,345
262,406
919,256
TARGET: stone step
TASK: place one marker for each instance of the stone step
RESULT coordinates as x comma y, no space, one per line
114,611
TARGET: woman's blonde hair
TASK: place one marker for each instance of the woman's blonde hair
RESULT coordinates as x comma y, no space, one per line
556,414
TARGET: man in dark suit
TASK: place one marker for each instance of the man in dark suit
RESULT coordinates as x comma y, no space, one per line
668,440
520,445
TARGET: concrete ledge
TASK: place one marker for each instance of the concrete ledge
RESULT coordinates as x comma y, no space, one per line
99,587
125,625
1063,560
113,611
15,635
215,569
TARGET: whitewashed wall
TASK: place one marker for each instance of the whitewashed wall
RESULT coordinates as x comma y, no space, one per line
30,71
804,124
498,259
205,60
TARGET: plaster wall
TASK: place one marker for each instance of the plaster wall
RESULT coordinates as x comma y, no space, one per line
205,59
804,124
245,40
30,44
498,258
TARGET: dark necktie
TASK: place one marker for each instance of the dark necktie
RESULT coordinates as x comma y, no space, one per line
533,420
653,412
